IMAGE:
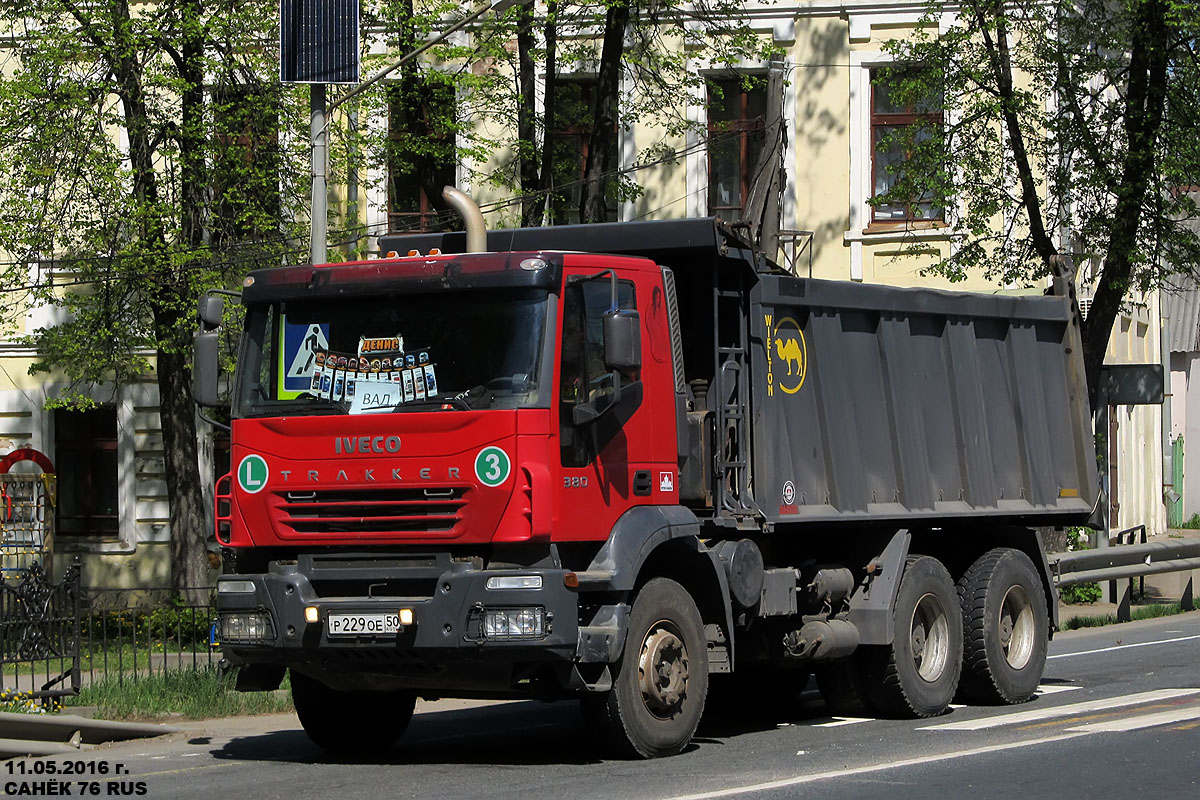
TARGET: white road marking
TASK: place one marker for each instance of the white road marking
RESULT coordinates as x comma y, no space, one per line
840,721
1056,688
1067,710
1122,647
845,773
1144,721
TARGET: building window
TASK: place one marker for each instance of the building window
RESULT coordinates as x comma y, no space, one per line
85,456
575,101
422,155
898,127
737,118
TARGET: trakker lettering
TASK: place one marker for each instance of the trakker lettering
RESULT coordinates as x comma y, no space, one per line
368,475
366,444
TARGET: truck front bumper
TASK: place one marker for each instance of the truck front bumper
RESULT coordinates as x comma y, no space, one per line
454,639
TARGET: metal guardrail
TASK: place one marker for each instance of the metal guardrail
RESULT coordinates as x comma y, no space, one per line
1128,561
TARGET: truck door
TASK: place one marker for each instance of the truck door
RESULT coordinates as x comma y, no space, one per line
605,464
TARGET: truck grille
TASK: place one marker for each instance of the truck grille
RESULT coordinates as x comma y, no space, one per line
383,511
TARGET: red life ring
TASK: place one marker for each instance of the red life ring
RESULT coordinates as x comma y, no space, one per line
26,454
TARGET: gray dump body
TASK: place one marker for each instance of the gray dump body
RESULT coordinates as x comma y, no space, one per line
874,403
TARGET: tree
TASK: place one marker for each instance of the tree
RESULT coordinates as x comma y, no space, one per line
1069,140
140,151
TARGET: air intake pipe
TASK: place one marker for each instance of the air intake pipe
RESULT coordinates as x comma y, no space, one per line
472,218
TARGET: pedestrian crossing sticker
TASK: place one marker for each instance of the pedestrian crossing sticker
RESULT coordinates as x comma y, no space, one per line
300,343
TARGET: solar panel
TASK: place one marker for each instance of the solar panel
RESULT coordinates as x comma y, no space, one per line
318,41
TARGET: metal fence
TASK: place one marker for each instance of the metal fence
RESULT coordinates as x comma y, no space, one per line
129,633
39,635
56,638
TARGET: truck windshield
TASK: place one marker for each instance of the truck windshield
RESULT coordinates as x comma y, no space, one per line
393,353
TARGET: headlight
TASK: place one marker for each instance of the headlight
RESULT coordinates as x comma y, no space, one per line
251,627
514,623
235,587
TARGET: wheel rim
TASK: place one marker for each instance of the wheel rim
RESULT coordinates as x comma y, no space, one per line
1016,627
929,638
663,670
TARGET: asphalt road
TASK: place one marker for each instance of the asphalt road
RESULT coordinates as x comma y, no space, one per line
1119,716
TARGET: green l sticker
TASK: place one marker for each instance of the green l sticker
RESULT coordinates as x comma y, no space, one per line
492,466
252,474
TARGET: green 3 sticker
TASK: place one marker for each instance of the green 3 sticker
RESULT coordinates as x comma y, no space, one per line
492,466
252,474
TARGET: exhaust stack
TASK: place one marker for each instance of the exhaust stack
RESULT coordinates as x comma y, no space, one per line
472,218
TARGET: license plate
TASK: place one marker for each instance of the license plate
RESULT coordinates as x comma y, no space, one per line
374,624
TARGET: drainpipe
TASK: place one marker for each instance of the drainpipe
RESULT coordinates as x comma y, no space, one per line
472,218
1171,492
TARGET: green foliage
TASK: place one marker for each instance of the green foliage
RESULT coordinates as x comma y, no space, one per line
1080,593
190,693
1192,524
1068,144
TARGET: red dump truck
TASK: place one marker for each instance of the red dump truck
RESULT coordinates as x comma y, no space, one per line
607,462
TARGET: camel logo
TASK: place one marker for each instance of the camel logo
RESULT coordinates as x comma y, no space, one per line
785,345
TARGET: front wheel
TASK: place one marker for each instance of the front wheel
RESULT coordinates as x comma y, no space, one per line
917,675
661,680
351,723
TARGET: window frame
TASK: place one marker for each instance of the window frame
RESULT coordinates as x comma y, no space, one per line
744,126
427,217
878,120
82,451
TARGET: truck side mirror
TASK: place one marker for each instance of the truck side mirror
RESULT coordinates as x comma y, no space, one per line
622,339
205,370
212,310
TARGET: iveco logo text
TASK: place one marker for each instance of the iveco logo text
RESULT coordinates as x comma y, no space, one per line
366,444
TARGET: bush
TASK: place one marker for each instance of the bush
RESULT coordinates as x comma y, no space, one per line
1080,593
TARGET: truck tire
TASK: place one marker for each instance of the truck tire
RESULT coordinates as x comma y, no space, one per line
661,679
1006,628
917,675
351,723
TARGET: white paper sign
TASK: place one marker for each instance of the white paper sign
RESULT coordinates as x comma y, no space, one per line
375,397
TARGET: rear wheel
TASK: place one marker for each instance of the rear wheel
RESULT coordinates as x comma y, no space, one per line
351,723
917,675
661,681
1006,628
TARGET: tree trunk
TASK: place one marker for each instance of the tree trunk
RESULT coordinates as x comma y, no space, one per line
532,202
593,205
177,414
1145,100
549,98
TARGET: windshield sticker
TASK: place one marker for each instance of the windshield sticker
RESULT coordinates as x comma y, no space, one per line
378,378
298,356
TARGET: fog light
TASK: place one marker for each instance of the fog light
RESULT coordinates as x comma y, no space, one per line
312,614
235,587
515,582
246,626
406,616
514,623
